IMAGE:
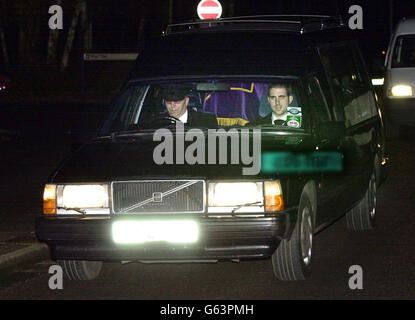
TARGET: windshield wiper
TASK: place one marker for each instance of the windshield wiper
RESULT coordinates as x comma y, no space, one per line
72,209
245,205
132,133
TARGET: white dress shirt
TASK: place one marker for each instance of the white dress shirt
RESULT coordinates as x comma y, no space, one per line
274,117
184,117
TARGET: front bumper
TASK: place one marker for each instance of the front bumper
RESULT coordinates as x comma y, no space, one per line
400,111
89,238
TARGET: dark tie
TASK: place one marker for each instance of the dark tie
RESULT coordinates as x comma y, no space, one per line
279,122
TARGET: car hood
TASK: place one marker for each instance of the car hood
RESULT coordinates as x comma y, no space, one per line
132,158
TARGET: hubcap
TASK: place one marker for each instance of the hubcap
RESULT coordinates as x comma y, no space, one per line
306,236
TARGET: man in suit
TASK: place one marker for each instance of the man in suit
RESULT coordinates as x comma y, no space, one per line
279,98
176,98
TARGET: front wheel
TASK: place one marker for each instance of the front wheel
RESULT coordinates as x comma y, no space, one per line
292,259
81,270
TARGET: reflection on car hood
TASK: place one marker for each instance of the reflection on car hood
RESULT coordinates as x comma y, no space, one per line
132,158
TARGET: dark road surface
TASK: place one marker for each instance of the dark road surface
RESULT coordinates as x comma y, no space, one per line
386,254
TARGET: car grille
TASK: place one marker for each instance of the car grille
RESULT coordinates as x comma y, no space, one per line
165,196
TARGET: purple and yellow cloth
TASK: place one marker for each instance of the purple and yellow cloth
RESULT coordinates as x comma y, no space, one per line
238,106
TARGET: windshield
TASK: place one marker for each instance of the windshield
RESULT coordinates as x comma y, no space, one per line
404,52
207,104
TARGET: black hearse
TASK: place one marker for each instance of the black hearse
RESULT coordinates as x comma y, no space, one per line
149,188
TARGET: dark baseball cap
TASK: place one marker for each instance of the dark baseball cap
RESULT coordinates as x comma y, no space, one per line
175,92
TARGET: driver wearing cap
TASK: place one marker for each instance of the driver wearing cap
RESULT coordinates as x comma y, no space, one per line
176,98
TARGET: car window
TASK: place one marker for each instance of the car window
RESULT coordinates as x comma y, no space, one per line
404,52
230,103
350,83
126,111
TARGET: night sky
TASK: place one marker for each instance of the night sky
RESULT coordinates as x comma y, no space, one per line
121,26
376,13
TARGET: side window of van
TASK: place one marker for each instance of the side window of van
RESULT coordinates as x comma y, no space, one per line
404,52
349,82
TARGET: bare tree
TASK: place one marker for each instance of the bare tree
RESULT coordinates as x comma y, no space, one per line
4,46
52,57
80,7
2,36
142,23
28,14
85,28
21,15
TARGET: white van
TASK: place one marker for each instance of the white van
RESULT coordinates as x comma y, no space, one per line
400,75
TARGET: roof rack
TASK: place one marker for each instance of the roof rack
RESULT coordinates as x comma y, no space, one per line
285,23
279,16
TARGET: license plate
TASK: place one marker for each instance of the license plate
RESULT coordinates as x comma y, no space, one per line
171,231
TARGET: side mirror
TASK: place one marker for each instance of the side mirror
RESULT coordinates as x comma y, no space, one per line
331,130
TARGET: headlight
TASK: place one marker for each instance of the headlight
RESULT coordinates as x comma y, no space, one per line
231,194
400,91
82,196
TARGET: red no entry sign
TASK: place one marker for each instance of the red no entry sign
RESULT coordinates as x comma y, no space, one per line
209,9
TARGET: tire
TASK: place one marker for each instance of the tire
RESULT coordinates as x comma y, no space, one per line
291,261
362,217
80,270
